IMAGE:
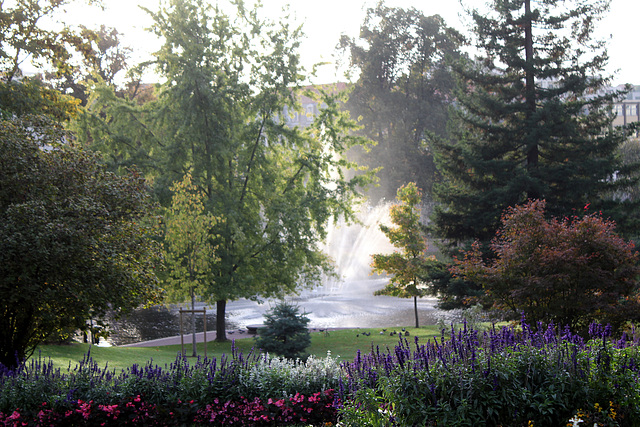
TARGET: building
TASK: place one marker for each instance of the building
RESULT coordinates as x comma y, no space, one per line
627,110
308,107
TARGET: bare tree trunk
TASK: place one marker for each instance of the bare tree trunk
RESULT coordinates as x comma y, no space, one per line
530,90
415,310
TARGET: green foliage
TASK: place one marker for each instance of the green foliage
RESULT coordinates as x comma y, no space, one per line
30,96
75,240
365,409
570,271
218,115
22,37
453,292
402,92
189,253
408,266
531,121
499,377
285,333
104,58
232,377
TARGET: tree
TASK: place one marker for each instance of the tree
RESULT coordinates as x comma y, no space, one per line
285,332
453,292
74,239
219,115
189,254
408,266
532,120
33,97
402,92
570,271
105,60
23,38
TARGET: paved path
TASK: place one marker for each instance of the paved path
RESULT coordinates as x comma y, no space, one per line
211,336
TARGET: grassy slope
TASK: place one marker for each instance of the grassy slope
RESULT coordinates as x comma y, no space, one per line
343,343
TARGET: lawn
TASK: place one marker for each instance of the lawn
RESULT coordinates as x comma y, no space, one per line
344,343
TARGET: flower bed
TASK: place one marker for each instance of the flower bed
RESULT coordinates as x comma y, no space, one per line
500,377
309,410
254,388
510,376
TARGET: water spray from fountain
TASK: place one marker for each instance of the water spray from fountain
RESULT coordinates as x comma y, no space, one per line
351,247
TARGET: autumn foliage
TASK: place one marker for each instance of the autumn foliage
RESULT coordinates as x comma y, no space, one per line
570,271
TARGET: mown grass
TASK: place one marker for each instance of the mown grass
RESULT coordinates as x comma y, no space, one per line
343,343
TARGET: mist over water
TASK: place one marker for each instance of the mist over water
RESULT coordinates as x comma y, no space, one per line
343,302
348,301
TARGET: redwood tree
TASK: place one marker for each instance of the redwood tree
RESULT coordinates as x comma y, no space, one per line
532,120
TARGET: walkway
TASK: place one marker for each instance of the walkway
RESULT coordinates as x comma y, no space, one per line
211,336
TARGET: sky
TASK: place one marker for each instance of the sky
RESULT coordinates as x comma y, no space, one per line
324,21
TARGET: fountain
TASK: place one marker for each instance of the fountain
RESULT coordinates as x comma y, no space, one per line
345,301
348,301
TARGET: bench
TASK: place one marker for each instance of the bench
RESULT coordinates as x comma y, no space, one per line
253,329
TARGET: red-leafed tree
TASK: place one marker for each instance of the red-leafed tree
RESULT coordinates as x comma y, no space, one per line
572,271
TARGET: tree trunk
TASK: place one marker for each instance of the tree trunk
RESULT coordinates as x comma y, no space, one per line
221,332
193,323
415,310
530,89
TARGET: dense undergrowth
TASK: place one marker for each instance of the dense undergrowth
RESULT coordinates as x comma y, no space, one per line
509,376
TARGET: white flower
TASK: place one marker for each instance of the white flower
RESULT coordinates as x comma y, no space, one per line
575,420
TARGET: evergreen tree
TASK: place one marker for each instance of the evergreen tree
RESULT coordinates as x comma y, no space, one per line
286,332
532,120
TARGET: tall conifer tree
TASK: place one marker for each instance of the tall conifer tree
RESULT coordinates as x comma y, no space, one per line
532,120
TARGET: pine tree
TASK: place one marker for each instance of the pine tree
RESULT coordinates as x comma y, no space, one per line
532,120
286,333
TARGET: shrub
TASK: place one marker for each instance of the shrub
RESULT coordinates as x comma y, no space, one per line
286,332
571,271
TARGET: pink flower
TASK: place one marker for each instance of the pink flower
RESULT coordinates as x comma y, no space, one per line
15,415
111,410
85,409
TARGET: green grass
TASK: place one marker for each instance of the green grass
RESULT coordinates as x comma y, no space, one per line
343,343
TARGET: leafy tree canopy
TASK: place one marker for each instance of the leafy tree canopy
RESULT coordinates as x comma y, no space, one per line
74,239
219,116
407,267
24,38
402,92
189,253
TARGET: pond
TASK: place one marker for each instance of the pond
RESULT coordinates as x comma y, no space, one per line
346,301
